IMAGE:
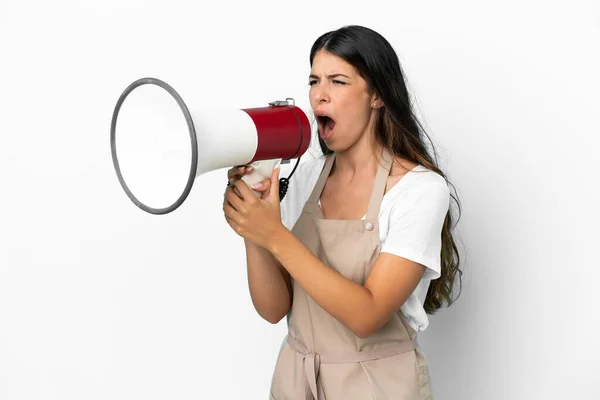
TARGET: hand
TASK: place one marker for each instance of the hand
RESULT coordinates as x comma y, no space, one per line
255,219
238,171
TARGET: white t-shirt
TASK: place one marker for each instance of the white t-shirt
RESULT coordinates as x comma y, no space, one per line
410,222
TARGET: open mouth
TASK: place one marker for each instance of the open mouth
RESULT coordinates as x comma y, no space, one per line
326,126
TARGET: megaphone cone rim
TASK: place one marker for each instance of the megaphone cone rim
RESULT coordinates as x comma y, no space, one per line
192,132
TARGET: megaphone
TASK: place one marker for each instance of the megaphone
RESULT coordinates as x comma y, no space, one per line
159,146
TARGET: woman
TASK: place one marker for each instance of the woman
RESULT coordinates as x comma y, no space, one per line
360,249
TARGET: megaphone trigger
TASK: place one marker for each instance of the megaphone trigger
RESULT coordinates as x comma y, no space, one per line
261,170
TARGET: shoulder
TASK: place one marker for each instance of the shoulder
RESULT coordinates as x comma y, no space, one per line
422,178
420,188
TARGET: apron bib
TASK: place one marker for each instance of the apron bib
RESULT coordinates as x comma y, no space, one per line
321,359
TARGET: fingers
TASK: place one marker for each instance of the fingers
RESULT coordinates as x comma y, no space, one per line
228,210
236,173
239,171
275,182
245,191
232,204
235,190
234,199
262,186
231,216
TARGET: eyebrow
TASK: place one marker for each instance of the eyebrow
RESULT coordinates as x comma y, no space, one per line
332,76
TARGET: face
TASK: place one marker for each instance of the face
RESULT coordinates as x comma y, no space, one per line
341,101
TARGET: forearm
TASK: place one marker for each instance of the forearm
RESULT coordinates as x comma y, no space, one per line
348,302
269,286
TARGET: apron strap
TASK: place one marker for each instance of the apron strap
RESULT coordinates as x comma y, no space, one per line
318,189
383,171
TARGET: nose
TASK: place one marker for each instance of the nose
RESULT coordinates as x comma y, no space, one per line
320,94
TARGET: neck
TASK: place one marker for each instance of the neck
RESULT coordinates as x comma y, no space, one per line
360,160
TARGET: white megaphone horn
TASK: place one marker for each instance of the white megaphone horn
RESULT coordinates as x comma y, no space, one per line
159,146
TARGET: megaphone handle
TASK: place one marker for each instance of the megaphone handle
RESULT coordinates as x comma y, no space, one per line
260,170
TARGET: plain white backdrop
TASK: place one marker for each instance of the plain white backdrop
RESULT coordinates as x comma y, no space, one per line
99,300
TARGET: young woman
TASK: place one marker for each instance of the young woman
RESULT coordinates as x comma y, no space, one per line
360,249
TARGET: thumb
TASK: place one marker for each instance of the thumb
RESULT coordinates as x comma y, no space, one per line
274,192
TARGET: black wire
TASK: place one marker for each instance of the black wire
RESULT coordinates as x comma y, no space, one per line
284,183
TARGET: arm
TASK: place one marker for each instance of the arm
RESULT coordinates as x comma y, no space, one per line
362,309
269,284
393,278
413,242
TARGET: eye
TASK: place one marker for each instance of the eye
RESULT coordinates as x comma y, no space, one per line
312,82
339,82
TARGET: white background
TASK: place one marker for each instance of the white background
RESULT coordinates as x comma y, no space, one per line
99,300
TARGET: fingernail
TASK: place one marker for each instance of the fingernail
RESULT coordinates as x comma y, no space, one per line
240,168
249,168
256,185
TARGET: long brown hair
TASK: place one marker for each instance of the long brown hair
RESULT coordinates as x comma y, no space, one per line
399,130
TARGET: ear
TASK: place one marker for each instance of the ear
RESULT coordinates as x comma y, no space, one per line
376,101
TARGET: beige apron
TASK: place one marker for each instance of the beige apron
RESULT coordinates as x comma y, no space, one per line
321,359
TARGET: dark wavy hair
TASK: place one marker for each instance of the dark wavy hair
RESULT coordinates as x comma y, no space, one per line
398,129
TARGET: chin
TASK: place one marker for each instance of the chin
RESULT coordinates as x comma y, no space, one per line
332,145
339,146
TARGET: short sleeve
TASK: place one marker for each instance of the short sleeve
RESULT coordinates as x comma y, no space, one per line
415,227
